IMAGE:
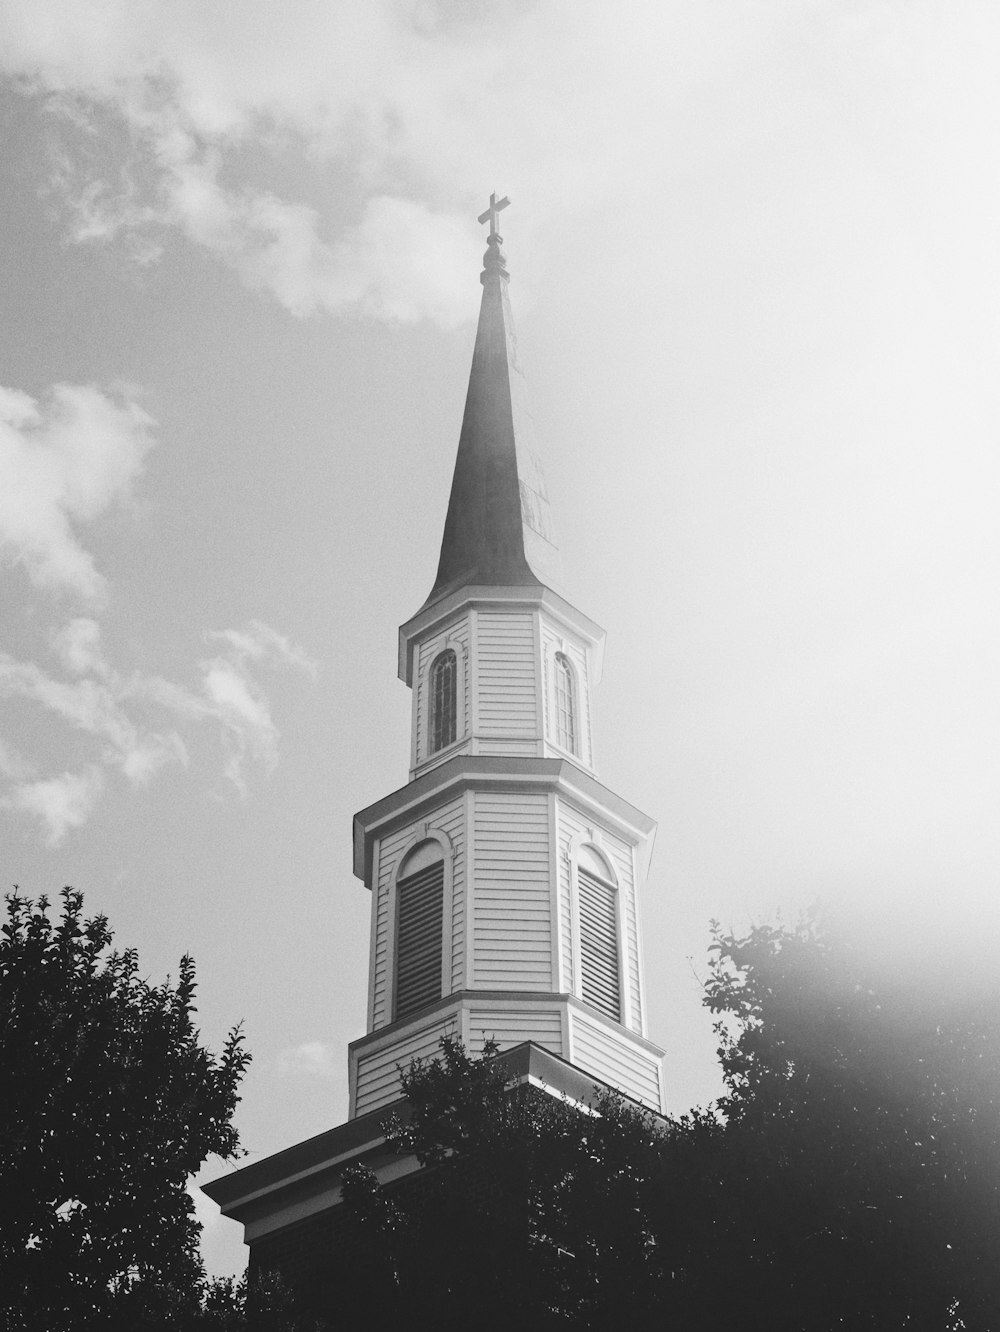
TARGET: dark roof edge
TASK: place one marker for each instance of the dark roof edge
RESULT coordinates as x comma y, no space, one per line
340,1146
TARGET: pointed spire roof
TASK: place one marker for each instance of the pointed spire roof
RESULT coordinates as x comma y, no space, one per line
498,531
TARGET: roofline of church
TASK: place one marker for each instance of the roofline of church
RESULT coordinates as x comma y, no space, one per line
495,773
253,1190
433,613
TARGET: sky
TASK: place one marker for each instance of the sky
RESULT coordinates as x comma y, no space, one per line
754,254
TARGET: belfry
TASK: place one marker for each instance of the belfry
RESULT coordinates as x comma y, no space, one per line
504,877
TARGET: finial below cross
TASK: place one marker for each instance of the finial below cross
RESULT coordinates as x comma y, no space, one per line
496,206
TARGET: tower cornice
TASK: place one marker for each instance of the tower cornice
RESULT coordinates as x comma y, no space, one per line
491,772
435,614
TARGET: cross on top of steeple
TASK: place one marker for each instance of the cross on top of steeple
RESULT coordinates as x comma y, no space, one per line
496,206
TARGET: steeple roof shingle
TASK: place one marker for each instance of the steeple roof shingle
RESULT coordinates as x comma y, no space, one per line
498,531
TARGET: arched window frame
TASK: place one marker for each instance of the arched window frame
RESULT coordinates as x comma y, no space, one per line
587,847
423,751
426,837
562,667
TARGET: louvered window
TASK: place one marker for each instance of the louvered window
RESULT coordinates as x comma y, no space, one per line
565,701
418,939
444,700
599,943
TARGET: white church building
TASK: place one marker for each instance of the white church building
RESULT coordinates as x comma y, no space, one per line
504,878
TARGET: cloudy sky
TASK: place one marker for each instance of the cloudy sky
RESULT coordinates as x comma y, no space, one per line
754,247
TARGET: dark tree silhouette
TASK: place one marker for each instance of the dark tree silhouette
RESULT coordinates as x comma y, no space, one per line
850,1176
859,1180
108,1104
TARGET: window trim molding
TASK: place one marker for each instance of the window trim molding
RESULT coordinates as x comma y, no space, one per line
424,834
581,754
422,737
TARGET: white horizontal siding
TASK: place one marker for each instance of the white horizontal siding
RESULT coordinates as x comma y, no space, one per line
507,703
513,925
521,747
569,825
378,1081
613,1059
512,1028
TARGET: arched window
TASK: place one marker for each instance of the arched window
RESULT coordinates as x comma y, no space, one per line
419,929
597,898
444,701
565,701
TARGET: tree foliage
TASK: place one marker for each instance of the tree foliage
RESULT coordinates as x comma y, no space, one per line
108,1104
862,1146
850,1176
530,1209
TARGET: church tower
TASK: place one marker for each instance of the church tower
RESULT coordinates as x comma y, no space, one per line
504,876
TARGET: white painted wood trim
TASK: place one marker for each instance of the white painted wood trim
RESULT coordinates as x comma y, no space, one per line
373,941
352,1083
639,967
469,802
558,970
586,708
415,721
538,648
474,678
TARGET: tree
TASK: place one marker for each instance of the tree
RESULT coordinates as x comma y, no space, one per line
108,1104
529,1212
850,1177
860,1170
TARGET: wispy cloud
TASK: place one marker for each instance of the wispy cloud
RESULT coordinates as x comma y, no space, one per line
116,709
63,464
311,1059
395,103
62,802
259,642
190,95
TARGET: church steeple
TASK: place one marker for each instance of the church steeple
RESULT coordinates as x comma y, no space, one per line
498,531
505,878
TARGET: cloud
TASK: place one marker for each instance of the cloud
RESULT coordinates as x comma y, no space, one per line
11,762
230,695
311,1059
78,646
192,92
62,802
259,642
116,709
174,118
326,152
63,464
